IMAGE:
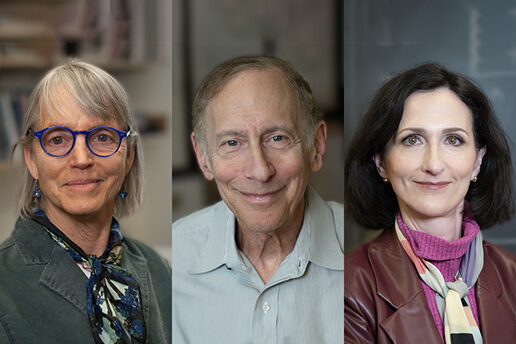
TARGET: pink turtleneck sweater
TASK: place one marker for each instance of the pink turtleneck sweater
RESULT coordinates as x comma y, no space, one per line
446,256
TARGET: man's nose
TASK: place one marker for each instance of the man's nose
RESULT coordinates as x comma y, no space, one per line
259,166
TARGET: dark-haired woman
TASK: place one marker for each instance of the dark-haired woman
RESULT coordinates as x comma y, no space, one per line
430,164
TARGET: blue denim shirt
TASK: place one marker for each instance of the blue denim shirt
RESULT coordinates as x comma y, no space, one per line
218,297
43,293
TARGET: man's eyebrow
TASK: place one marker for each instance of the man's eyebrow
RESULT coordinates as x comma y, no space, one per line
225,133
236,133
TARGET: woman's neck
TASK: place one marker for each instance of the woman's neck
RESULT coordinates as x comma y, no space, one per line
89,232
447,227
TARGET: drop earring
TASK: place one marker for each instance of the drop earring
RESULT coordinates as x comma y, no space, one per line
123,194
36,193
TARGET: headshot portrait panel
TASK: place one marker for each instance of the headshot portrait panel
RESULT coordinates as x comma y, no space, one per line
256,172
429,202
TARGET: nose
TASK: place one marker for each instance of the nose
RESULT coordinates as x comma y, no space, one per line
80,154
432,160
258,166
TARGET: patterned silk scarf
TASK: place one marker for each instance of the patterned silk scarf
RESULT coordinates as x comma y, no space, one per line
113,302
451,297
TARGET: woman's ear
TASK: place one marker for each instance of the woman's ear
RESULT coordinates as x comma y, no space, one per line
378,161
478,161
28,154
129,159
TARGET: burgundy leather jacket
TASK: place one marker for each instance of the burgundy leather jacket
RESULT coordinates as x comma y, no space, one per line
384,301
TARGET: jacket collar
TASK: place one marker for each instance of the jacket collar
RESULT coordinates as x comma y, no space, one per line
406,295
492,306
389,263
60,273
321,244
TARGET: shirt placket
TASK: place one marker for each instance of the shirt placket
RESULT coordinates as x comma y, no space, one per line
265,317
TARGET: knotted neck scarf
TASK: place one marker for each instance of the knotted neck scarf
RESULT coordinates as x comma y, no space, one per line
114,301
452,297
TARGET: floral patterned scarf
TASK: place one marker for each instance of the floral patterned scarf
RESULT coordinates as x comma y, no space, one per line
113,296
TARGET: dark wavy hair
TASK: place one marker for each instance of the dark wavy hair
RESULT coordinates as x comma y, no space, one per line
372,203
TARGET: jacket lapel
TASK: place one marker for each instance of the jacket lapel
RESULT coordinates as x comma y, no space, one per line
137,266
61,275
495,316
398,284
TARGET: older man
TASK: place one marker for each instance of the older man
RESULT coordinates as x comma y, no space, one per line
265,265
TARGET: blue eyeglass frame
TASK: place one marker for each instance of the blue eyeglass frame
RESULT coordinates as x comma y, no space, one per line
121,135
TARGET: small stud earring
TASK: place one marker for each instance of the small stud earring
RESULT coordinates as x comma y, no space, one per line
36,193
385,180
474,179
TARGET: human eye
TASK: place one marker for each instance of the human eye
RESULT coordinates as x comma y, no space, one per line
278,140
56,137
231,143
104,136
454,140
411,140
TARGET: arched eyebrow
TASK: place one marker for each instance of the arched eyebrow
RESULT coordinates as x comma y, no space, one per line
422,131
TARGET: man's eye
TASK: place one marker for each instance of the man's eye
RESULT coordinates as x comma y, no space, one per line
277,138
232,143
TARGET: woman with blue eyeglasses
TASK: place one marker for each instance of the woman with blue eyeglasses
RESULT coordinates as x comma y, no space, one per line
67,274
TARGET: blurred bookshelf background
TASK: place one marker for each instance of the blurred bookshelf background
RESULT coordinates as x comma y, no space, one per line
132,40
307,33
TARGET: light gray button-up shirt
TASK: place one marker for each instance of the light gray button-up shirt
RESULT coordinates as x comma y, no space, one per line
218,297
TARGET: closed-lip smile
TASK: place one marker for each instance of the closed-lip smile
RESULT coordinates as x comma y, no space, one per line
433,185
82,184
260,197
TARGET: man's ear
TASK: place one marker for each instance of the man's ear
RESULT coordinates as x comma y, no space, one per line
202,160
319,147
378,161
28,154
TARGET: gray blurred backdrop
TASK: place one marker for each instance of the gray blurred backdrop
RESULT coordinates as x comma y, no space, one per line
475,38
307,33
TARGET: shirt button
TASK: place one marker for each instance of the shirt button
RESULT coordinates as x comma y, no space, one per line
266,307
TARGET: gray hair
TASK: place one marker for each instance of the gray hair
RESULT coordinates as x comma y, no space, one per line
221,75
96,93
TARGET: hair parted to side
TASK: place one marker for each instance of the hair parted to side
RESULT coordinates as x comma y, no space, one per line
96,93
372,203
221,75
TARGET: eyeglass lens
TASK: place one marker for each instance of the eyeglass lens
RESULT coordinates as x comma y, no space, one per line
101,141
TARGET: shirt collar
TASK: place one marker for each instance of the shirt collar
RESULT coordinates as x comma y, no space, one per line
213,254
317,241
325,249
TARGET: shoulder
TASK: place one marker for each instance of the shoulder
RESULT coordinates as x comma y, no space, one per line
199,221
325,214
154,260
503,260
192,234
371,262
193,230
